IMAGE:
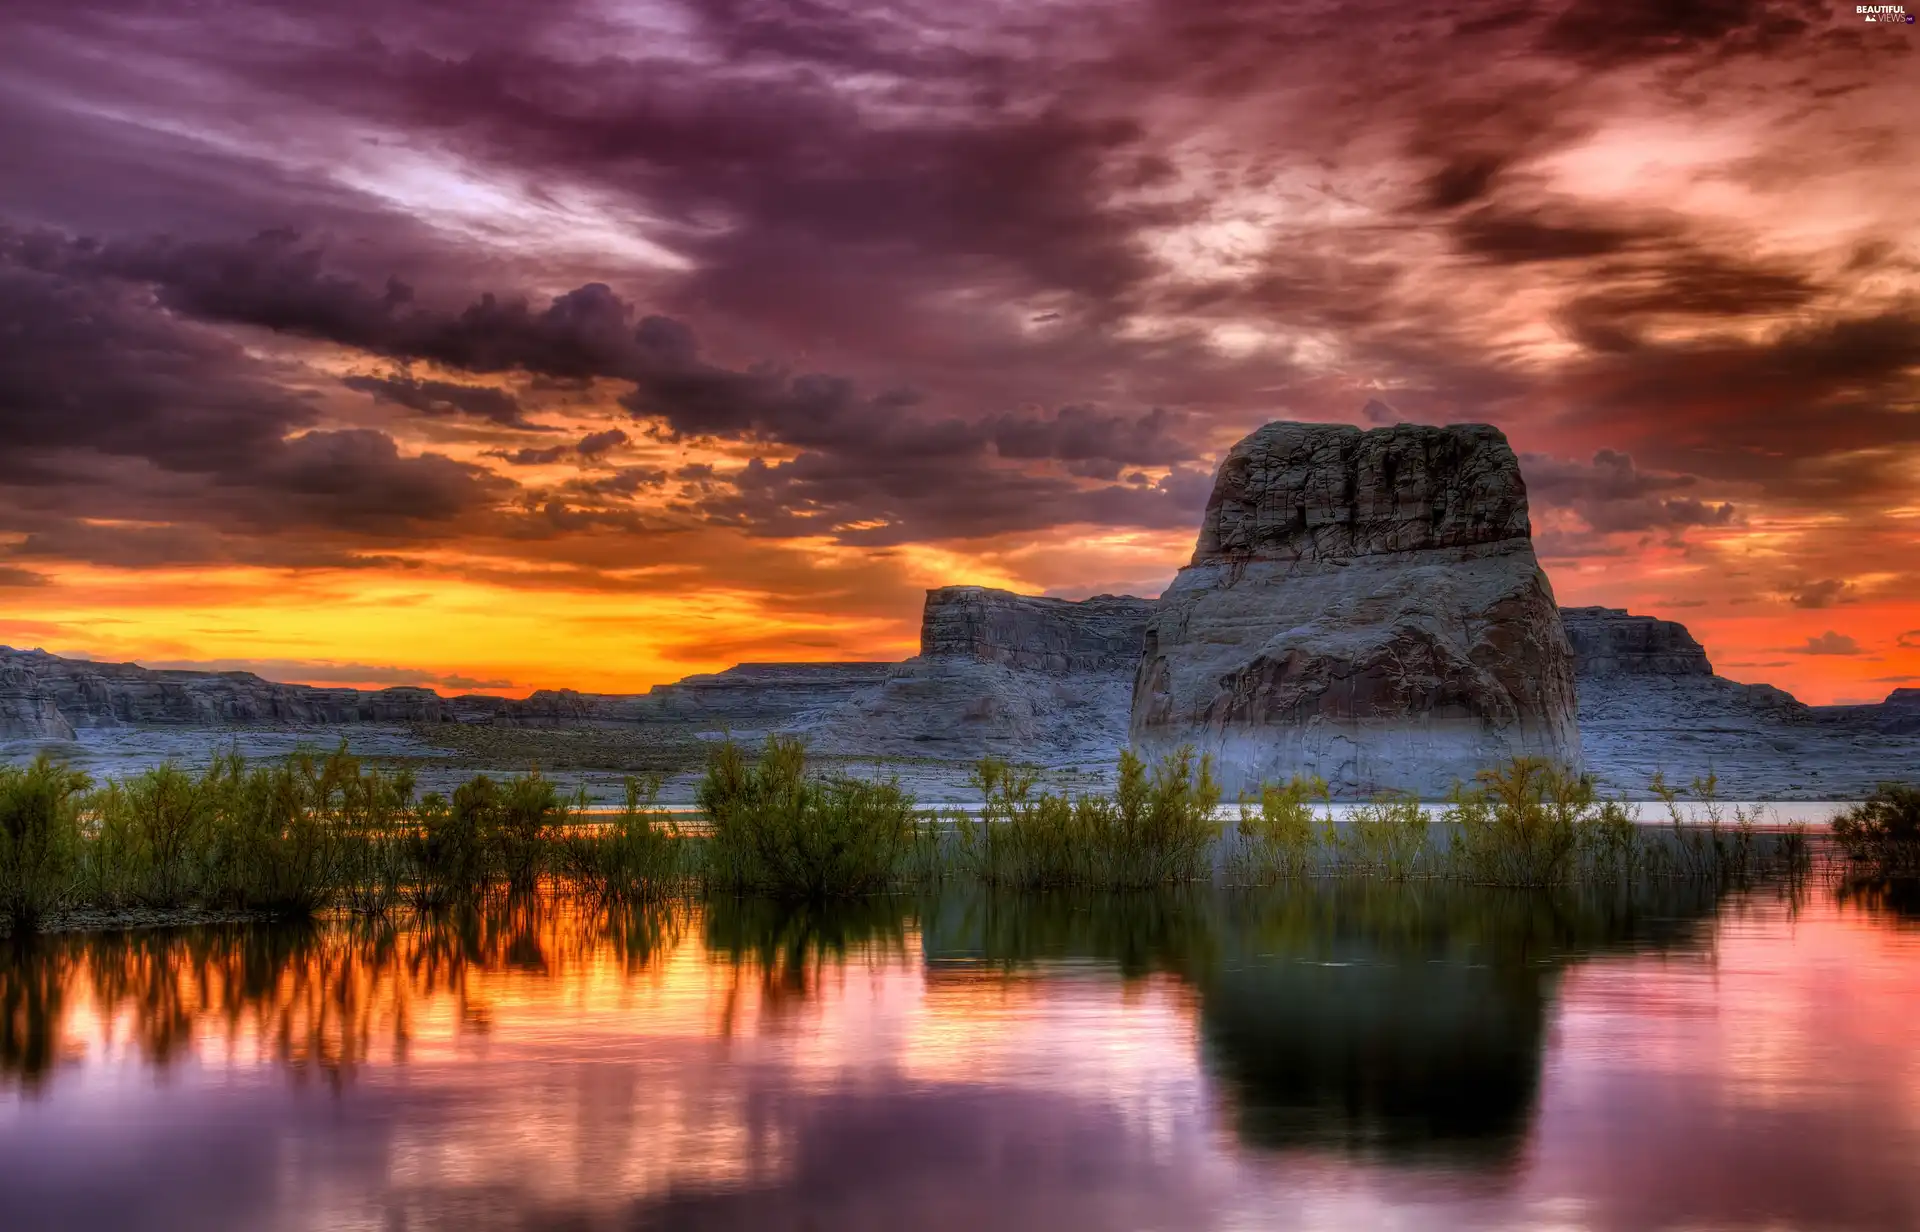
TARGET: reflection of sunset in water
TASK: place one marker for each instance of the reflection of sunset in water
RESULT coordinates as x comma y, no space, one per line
925,1065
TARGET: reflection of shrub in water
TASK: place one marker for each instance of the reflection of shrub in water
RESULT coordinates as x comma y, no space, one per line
1359,1014
789,943
1170,929
1895,896
317,998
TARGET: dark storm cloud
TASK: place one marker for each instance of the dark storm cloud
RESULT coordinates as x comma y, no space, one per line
530,456
1608,33
594,444
1612,494
881,445
443,398
1821,593
117,411
1828,643
893,233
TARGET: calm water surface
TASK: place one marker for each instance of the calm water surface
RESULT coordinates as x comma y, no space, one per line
1332,1057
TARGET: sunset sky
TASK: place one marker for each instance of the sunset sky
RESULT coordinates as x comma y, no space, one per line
505,344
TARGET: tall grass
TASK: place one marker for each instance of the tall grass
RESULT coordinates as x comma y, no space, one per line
1520,824
778,830
1279,831
1721,844
637,856
1156,828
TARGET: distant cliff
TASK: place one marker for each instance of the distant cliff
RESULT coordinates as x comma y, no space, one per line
1019,676
1650,703
45,696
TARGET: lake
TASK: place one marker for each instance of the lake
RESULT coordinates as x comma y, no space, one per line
1335,1055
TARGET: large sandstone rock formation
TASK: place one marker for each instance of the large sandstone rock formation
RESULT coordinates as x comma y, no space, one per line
1364,606
1044,681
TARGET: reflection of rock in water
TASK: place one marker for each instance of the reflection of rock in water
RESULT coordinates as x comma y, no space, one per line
1333,1040
1407,1019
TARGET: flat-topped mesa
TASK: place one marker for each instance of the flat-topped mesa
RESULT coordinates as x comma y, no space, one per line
1610,641
1361,606
1032,632
1038,680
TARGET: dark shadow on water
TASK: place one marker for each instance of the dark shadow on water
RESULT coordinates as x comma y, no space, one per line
1402,1020
1895,897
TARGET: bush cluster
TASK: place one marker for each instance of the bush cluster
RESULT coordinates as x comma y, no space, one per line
1155,829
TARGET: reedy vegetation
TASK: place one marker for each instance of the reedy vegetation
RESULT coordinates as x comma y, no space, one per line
1882,832
311,831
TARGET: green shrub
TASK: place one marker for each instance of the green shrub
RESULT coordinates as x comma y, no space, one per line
1386,837
154,842
1279,832
1519,826
40,839
1883,829
528,818
1609,845
451,843
268,844
1723,847
374,826
1023,837
636,856
1156,828
777,830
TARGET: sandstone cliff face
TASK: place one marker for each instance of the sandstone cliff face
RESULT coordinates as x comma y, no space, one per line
89,694
27,709
1364,606
1039,680
1609,641
1033,633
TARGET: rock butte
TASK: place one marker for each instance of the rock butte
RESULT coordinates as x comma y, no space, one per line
1364,606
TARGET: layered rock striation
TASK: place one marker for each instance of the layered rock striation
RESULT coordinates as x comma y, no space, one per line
28,710
1364,606
89,694
45,696
1040,680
